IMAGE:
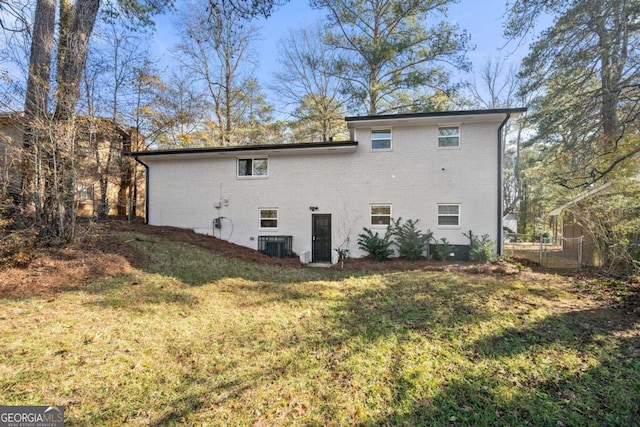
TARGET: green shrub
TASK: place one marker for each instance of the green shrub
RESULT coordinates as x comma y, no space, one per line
379,248
343,253
443,249
411,242
481,248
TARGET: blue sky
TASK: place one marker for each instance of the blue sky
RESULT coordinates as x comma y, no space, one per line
483,19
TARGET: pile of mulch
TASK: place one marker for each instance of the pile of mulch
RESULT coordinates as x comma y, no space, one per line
54,270
499,267
35,270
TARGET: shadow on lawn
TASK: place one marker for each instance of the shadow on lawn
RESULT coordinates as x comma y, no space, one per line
423,303
489,388
592,355
575,329
133,296
606,393
196,397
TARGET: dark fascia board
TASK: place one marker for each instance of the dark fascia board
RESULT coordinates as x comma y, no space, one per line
241,148
437,114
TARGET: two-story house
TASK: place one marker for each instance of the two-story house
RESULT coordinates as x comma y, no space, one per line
443,169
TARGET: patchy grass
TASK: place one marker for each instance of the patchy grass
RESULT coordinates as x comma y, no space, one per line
190,337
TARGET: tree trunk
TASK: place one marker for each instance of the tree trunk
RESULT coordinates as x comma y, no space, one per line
75,56
126,179
103,207
59,166
66,16
37,99
228,82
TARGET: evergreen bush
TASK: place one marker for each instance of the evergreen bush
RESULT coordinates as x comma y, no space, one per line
443,249
481,247
411,242
379,248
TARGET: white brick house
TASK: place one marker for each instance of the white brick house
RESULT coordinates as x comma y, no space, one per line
443,169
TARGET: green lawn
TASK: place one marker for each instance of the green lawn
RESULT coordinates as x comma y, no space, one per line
193,338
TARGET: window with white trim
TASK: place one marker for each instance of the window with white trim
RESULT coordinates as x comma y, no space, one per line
258,166
449,215
381,139
449,136
269,218
381,214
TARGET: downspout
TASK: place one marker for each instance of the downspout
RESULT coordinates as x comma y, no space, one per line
499,249
146,189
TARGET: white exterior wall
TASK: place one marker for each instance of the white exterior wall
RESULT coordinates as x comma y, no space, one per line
414,177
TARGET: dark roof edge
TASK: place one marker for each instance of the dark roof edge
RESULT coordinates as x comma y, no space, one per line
240,148
437,114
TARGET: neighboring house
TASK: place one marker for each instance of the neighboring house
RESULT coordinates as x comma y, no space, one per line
10,149
105,181
511,223
510,226
105,178
443,169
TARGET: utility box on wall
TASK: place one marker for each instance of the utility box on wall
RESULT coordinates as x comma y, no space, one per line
305,257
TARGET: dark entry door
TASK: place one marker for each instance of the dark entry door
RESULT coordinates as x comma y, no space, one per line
321,237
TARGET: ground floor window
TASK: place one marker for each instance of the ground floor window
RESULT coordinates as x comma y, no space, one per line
269,218
449,215
381,214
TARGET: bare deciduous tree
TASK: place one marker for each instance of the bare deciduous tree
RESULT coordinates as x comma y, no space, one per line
306,82
49,169
217,50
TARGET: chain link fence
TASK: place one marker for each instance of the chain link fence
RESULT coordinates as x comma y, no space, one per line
561,252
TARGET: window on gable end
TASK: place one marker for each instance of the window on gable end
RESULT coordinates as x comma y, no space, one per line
84,192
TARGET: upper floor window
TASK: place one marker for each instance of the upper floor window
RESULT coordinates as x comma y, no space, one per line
380,214
449,136
253,167
381,139
449,215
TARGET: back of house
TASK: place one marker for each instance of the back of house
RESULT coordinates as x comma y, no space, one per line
443,169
